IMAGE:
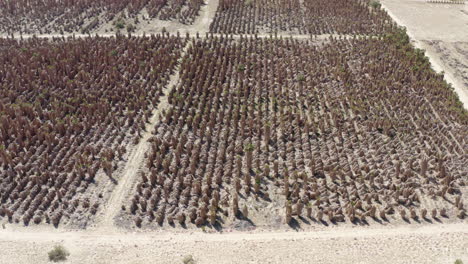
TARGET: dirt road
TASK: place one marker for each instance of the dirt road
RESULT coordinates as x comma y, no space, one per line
404,244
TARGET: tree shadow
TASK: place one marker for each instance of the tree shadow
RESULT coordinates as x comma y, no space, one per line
248,220
303,219
265,198
364,222
360,222
294,224
220,220
447,200
427,220
113,180
217,226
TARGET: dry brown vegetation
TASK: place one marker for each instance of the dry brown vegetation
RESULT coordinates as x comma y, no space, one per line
348,130
84,15
305,17
351,129
68,111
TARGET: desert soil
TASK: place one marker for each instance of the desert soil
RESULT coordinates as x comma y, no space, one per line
405,244
438,28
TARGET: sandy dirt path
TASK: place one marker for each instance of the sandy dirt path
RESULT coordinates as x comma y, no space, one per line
136,161
207,14
404,244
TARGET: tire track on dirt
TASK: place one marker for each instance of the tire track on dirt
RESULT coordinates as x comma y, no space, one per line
136,160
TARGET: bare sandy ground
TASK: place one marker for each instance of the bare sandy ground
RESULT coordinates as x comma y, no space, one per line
408,244
441,30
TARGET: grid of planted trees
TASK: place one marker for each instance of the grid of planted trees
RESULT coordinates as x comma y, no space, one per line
69,109
304,17
352,130
53,16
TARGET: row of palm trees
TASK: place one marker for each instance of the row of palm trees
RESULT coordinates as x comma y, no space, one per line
351,129
71,109
304,17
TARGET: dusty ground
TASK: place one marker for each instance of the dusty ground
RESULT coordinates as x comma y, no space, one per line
441,30
408,244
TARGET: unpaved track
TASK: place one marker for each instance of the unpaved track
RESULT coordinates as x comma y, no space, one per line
137,158
129,178
207,13
404,244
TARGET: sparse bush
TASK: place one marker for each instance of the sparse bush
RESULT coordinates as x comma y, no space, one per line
131,28
188,260
375,4
59,253
458,261
301,77
120,24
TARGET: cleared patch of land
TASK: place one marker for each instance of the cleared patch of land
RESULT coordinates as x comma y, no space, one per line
409,244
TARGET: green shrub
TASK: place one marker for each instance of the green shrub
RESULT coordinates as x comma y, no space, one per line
249,147
119,24
188,260
301,77
375,4
59,253
131,28
248,2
